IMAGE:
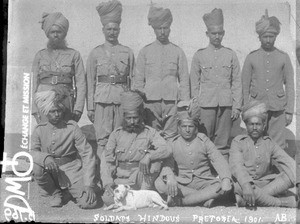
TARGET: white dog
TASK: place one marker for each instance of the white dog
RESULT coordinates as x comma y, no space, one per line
127,199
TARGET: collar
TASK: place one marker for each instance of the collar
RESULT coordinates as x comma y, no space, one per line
212,47
109,45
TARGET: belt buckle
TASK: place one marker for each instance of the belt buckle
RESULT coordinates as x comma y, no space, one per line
112,79
54,80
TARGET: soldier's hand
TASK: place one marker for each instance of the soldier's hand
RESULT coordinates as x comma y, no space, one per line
50,164
145,165
225,185
235,114
172,186
288,119
37,117
91,195
248,194
77,115
109,190
91,115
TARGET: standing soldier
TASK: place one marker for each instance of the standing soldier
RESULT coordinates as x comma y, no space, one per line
59,67
109,68
160,66
216,80
265,72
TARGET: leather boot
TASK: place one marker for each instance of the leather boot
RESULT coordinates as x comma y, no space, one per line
56,199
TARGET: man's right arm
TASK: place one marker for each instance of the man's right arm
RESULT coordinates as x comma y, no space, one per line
91,81
108,160
139,72
195,74
246,79
38,156
35,80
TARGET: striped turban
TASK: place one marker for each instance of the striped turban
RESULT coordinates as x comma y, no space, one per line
254,108
110,12
46,100
131,101
214,18
158,17
56,18
267,24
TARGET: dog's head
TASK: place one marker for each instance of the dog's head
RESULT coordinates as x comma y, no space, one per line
120,192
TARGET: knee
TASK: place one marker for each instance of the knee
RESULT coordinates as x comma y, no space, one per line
38,171
160,186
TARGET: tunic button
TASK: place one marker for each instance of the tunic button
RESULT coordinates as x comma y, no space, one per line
257,166
267,80
192,171
267,89
256,147
190,153
53,143
267,70
129,151
268,62
268,54
216,66
53,152
192,162
53,133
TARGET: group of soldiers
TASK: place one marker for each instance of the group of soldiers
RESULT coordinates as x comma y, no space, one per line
158,126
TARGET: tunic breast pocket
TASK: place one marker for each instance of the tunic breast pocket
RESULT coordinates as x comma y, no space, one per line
141,144
150,67
102,68
172,67
66,68
205,70
227,68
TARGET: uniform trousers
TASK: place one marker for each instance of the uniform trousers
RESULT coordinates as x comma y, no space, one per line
217,123
267,191
161,115
276,127
49,184
107,118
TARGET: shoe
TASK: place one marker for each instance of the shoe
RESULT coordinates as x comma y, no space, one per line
289,202
209,203
57,199
240,202
174,201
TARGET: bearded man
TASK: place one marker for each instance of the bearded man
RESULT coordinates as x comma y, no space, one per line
59,67
132,151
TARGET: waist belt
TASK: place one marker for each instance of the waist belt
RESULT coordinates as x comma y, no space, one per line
55,78
128,165
113,79
65,159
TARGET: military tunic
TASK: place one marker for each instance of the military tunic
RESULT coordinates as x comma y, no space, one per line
264,75
195,160
216,80
104,97
129,148
252,162
162,74
65,67
64,140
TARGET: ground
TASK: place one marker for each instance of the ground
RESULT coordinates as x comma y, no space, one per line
71,213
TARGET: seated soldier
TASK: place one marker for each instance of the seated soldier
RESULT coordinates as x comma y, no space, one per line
62,157
251,158
187,176
132,151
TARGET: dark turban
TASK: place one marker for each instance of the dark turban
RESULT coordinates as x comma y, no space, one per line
254,108
131,101
158,17
110,12
267,24
46,100
56,18
188,110
214,18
